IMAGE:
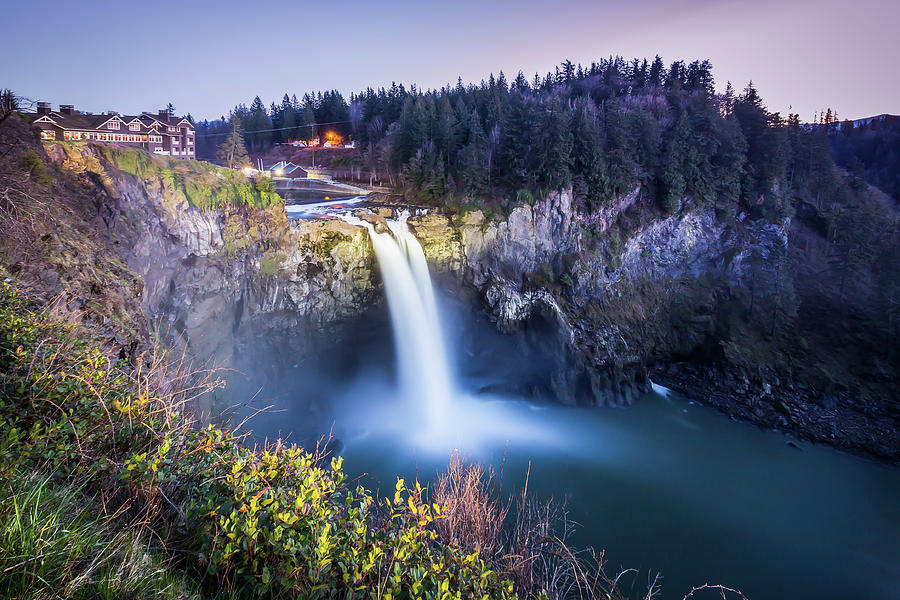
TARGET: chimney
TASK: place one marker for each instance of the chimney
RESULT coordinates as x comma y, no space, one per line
164,114
43,108
67,109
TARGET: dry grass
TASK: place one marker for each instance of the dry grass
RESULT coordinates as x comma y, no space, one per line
527,539
474,513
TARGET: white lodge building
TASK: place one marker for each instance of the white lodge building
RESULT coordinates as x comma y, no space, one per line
159,133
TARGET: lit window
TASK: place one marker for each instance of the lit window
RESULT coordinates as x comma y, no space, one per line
135,127
112,125
171,129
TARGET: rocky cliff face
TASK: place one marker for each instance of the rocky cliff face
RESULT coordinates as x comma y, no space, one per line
534,265
234,280
609,296
677,297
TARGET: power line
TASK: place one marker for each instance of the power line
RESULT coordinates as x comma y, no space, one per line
277,128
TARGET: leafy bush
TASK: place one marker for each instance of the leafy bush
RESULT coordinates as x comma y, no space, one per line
269,264
31,163
277,522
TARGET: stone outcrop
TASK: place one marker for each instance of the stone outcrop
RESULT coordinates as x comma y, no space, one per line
607,304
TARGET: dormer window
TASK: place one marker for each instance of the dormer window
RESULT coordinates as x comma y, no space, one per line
112,125
135,127
172,129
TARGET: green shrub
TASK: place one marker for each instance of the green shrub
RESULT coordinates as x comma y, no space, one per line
31,163
269,265
274,523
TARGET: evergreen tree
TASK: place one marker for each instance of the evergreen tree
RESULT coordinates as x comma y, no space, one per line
567,73
444,129
727,101
520,83
424,177
620,149
655,77
259,126
232,152
767,146
588,162
308,130
854,235
674,181
554,148
474,161
516,141
288,122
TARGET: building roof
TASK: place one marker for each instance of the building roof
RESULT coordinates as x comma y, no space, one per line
289,168
77,120
83,121
166,119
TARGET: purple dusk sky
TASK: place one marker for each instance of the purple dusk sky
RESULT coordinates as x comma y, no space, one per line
205,56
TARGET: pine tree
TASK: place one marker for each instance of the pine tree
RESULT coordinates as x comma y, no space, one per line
259,126
444,131
655,78
554,148
308,130
588,162
674,179
520,83
474,161
620,149
516,141
727,102
288,122
567,72
232,152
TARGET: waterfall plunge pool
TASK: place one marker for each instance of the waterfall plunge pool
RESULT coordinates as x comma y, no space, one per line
663,486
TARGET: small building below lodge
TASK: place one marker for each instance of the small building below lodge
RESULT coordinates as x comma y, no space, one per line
288,170
159,133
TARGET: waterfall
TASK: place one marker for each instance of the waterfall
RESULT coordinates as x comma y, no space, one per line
423,368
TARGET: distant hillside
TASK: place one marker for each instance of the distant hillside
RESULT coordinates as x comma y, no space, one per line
870,149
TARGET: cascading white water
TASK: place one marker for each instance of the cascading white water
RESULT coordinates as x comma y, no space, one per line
421,353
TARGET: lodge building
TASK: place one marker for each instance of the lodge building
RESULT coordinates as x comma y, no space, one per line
158,133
